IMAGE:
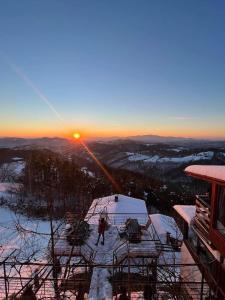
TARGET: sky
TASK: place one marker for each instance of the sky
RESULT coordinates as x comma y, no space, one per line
112,68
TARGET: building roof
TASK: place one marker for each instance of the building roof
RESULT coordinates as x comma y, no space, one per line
211,173
118,212
187,212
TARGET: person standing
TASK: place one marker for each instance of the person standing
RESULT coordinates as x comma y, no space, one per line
101,230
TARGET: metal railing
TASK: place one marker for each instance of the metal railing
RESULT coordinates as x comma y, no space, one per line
163,283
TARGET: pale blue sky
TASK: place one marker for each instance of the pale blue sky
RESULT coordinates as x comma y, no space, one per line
113,67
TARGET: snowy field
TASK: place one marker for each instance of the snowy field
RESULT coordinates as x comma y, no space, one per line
29,239
19,232
135,157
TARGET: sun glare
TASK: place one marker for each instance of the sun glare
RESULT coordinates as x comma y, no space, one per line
76,135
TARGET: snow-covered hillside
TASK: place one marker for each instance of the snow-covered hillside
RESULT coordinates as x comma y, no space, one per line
16,167
175,159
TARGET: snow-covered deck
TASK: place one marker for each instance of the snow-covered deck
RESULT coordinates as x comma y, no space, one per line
116,212
163,225
187,212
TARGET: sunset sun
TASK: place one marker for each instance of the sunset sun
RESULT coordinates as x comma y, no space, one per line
76,135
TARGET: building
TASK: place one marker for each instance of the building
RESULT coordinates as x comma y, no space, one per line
136,264
203,227
140,258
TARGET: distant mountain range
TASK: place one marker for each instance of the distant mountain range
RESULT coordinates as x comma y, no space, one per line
155,156
12,142
159,139
155,139
44,142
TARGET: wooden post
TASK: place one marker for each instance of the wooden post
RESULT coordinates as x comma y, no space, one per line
54,273
5,281
202,285
129,292
213,206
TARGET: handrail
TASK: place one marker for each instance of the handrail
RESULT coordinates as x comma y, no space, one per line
212,275
202,217
31,279
201,198
2,262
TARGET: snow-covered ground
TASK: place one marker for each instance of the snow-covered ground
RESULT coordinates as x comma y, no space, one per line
187,212
222,153
135,157
8,193
7,187
17,158
16,167
164,224
179,149
9,172
19,232
28,237
87,172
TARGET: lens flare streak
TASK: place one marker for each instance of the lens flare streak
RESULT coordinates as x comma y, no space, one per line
106,172
30,83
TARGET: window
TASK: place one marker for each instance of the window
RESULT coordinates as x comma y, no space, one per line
220,222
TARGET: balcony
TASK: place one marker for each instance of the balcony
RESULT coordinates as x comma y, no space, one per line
212,269
203,214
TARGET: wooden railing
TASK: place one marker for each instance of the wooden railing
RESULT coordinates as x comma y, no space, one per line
203,214
212,270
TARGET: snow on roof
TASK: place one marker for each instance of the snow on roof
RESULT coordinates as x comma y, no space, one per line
118,212
164,224
187,212
211,172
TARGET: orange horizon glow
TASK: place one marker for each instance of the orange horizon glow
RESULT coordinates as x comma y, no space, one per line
111,135
86,134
